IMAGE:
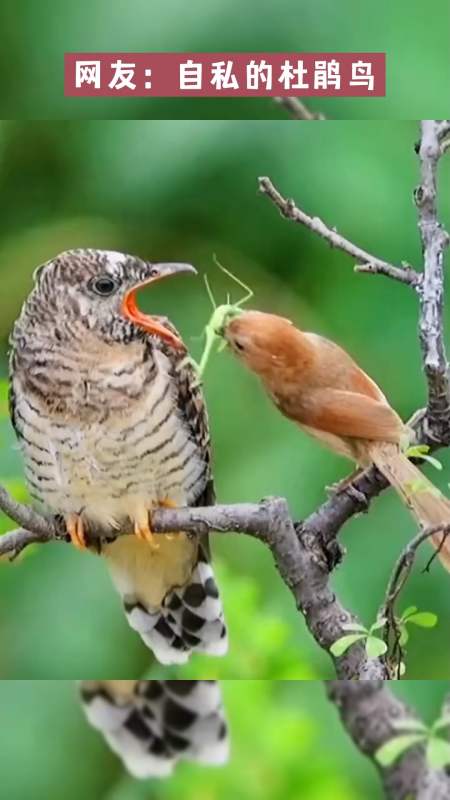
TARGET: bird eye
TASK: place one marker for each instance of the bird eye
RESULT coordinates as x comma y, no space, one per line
104,285
239,346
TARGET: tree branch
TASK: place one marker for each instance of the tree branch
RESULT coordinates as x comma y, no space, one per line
303,567
25,516
400,574
297,109
365,261
434,242
371,714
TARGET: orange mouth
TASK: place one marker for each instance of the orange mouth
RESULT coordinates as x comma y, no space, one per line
149,324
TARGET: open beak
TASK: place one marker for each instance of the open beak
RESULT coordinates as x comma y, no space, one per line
145,321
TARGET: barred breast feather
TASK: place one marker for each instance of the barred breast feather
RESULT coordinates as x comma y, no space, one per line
109,431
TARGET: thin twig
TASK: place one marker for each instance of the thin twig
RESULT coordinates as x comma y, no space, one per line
365,261
400,574
297,109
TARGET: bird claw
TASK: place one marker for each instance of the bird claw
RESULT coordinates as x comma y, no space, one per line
144,533
75,529
143,529
357,496
342,486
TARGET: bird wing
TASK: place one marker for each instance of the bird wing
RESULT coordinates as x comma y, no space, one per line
152,724
351,414
192,407
339,368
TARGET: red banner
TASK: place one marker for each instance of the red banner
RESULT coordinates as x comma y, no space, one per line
224,74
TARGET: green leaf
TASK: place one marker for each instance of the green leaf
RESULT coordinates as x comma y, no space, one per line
424,619
433,461
340,646
417,451
421,451
438,753
391,751
408,611
410,725
441,723
380,623
375,647
354,626
404,636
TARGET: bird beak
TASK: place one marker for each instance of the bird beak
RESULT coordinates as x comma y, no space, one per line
151,325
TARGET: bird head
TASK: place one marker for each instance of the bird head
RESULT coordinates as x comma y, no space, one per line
263,342
99,288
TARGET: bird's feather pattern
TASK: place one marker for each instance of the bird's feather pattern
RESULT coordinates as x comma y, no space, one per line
151,725
112,423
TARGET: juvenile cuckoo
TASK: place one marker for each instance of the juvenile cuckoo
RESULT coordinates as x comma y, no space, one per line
153,724
112,424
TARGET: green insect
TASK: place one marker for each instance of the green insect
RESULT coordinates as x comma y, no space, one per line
220,317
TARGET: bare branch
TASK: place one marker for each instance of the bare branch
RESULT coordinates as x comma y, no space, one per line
25,516
400,574
303,566
365,261
371,714
434,242
297,109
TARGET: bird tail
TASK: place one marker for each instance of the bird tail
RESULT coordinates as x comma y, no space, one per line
151,725
425,501
170,595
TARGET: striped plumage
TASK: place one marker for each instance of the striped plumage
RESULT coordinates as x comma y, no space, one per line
151,725
112,423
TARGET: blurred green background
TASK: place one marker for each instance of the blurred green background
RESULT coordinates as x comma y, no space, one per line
414,39
184,191
287,742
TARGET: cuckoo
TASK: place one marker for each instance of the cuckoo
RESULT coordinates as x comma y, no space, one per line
151,725
112,424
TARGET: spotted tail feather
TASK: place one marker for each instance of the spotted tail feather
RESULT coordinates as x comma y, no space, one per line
173,622
151,725
190,619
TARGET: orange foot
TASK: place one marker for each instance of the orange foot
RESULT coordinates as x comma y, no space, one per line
144,532
75,529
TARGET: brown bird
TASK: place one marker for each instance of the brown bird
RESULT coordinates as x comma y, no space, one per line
151,725
317,384
112,424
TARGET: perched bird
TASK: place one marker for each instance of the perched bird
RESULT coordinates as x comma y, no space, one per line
315,383
112,424
151,725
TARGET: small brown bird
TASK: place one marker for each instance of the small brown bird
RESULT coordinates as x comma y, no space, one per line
151,725
317,384
112,424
